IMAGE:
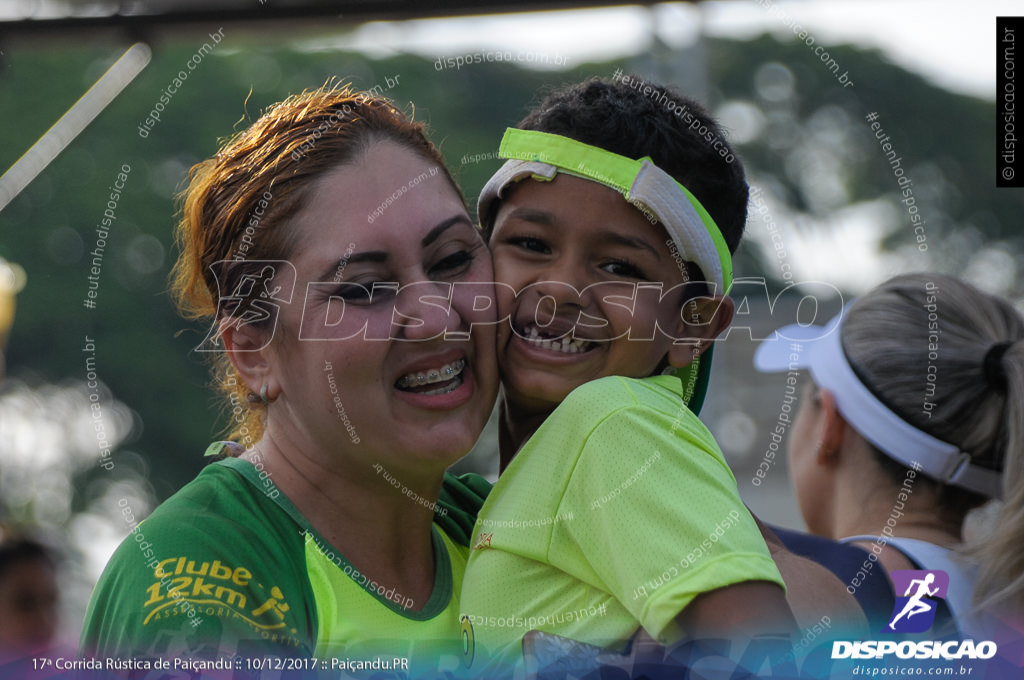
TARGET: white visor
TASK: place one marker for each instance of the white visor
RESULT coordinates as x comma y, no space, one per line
820,349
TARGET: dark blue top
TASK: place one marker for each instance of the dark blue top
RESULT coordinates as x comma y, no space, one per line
874,594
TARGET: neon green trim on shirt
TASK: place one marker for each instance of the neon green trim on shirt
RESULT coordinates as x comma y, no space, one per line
317,547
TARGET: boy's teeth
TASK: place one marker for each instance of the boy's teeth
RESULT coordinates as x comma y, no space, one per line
567,345
442,374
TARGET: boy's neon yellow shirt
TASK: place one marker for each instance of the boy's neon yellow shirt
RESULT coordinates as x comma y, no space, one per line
615,514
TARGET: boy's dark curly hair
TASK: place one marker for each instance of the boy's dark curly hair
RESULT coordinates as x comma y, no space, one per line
660,124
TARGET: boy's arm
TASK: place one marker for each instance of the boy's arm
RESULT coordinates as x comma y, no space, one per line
812,590
658,523
745,609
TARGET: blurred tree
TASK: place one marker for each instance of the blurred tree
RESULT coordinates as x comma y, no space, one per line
808,142
803,137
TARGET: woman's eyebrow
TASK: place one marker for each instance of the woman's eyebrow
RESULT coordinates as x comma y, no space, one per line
434,233
375,256
380,256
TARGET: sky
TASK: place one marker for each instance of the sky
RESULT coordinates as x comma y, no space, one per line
949,42
952,44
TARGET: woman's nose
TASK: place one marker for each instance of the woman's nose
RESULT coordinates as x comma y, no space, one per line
424,311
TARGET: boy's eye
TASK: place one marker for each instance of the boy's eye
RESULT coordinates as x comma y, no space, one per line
623,268
534,245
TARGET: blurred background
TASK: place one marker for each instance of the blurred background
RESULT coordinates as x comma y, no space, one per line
116,370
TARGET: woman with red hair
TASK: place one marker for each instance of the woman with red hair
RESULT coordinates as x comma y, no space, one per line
310,242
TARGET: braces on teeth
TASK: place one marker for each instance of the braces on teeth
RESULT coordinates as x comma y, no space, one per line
446,372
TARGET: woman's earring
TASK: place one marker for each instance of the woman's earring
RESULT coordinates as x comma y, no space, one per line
263,394
824,454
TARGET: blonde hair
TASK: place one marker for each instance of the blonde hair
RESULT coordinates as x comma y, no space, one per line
909,350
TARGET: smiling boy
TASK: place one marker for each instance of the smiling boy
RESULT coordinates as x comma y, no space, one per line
616,510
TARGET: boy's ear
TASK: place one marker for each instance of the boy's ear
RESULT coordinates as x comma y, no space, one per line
247,348
701,320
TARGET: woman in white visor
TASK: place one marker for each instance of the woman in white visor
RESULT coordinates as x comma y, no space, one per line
914,416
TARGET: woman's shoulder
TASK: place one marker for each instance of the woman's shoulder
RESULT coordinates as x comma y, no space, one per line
221,495
215,550
220,512
220,516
